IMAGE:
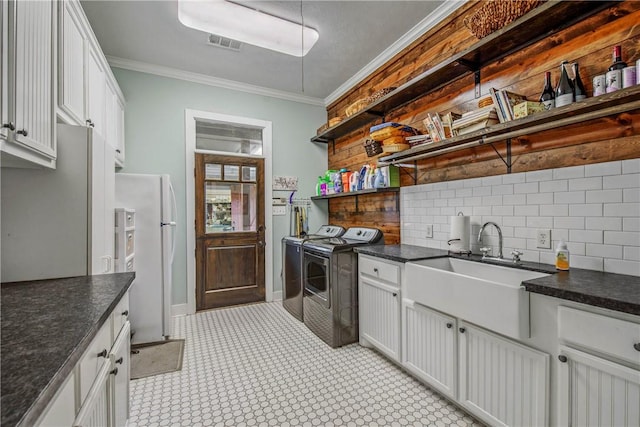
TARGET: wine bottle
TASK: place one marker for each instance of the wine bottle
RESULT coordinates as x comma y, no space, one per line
564,91
618,63
614,75
548,96
579,91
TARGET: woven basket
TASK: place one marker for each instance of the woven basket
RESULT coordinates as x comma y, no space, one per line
372,147
360,104
380,93
495,14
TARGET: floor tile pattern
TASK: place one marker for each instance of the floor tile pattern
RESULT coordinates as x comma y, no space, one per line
255,365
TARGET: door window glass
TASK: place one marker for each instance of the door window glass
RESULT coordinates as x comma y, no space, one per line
230,207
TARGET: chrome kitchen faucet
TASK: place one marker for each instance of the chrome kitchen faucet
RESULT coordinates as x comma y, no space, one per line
484,250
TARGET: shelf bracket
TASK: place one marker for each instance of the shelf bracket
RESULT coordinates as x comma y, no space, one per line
333,146
507,162
473,66
413,175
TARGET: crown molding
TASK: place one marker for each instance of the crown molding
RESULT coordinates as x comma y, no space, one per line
174,73
430,21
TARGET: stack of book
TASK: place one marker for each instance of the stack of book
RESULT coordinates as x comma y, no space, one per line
475,120
504,102
439,126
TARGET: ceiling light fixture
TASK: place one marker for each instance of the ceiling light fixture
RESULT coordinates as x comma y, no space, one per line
247,25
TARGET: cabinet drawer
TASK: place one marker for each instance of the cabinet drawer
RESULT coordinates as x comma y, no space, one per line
603,334
129,219
93,359
130,265
379,269
120,316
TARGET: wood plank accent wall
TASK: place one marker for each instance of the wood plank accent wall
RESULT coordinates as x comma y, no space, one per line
589,42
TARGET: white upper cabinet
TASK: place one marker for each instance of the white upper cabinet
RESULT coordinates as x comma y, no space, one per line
28,89
95,93
88,94
72,44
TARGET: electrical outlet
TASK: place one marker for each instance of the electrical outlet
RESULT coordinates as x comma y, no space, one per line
279,210
429,231
543,239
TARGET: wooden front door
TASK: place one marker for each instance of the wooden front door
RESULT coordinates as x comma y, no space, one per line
229,230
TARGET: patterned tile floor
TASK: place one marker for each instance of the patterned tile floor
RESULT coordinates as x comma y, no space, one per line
256,365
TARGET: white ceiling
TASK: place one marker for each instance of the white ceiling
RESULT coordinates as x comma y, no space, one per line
139,34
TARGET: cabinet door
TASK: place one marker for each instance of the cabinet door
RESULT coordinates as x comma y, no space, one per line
379,307
72,58
110,132
95,93
597,392
429,346
94,412
502,382
93,360
33,57
62,409
120,378
4,78
119,119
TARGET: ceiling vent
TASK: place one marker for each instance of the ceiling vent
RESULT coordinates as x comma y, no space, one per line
224,42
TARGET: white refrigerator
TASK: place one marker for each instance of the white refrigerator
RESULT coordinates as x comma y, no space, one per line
153,199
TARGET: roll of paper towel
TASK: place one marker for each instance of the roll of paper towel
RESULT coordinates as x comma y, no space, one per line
460,233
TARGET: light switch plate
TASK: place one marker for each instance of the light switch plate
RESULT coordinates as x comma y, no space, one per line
279,210
429,231
543,239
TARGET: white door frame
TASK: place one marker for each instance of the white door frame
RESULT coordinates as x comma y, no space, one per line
190,150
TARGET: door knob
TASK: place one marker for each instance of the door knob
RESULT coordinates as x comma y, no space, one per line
261,244
261,228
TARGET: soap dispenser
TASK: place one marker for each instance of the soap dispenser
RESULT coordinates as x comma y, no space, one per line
562,256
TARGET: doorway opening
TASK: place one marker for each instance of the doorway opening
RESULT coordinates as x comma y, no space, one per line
228,260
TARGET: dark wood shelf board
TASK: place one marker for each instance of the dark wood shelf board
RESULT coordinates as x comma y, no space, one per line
548,18
358,193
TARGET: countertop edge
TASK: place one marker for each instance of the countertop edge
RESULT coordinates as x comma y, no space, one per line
46,396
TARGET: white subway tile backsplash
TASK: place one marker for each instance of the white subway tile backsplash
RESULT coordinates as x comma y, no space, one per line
631,224
604,196
554,210
604,251
631,253
570,172
630,195
526,210
540,199
604,223
569,197
586,262
622,267
586,236
593,183
529,187
631,166
622,209
540,222
554,186
514,199
576,223
603,169
625,238
594,208
542,175
621,181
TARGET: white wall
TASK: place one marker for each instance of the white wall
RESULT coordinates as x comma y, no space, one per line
155,132
594,208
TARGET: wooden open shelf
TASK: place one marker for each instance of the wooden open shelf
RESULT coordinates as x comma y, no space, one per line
541,22
589,109
358,193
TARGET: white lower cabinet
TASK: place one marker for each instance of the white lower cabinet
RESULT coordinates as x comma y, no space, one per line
94,412
120,376
430,346
502,382
599,369
597,392
379,306
61,410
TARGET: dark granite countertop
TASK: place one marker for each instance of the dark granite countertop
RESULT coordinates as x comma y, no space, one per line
617,292
401,253
46,327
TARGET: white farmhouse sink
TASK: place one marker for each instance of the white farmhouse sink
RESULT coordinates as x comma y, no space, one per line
488,295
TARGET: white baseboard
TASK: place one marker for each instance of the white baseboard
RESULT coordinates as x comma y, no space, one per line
179,310
277,296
